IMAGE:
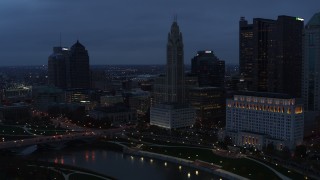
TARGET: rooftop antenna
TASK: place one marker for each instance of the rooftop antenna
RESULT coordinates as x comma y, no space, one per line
175,18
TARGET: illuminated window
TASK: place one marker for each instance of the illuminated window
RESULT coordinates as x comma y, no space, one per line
298,110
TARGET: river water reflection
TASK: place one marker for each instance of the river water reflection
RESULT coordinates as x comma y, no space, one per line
123,167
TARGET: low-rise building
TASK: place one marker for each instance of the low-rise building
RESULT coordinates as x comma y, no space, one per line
172,116
15,112
46,96
110,100
117,114
210,105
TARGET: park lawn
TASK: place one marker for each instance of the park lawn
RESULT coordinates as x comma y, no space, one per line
292,174
15,137
242,167
45,127
12,130
49,132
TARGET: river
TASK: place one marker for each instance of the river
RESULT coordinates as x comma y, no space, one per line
120,166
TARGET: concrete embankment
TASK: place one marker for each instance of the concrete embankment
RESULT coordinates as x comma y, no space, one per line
200,165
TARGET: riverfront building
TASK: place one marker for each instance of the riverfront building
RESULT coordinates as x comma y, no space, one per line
258,119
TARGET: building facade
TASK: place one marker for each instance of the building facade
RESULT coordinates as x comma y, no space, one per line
46,96
257,119
246,59
78,70
117,114
210,106
311,75
209,69
57,67
169,109
69,68
174,79
172,116
311,64
271,54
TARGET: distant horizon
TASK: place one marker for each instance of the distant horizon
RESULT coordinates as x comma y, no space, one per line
1,66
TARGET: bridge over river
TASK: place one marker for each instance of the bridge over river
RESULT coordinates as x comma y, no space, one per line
59,138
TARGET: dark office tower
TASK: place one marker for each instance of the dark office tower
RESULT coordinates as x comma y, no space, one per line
175,91
288,56
78,73
263,51
209,69
57,67
271,54
246,60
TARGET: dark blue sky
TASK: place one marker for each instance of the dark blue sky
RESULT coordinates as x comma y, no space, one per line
131,31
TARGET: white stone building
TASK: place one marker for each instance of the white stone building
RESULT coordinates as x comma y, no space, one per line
257,119
172,116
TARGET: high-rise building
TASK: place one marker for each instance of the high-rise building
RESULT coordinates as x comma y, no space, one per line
257,119
287,64
69,68
209,69
78,70
311,64
246,60
169,109
271,54
311,75
57,67
174,79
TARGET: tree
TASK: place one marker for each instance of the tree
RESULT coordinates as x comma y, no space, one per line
227,141
286,153
301,151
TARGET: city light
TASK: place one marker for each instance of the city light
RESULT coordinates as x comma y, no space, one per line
299,19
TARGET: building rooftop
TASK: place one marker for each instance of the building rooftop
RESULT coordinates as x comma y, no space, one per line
315,20
264,94
171,106
208,87
114,109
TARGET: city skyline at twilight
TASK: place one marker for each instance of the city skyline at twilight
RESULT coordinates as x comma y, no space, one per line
126,32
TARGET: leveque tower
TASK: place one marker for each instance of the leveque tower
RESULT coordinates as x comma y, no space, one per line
174,80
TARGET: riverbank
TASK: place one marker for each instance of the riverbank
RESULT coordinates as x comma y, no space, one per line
16,167
210,168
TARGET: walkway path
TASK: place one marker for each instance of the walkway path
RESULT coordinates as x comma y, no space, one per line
27,129
221,170
67,175
276,172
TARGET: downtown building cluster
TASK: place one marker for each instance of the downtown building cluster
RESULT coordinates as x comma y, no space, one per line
69,68
278,78
180,100
274,100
